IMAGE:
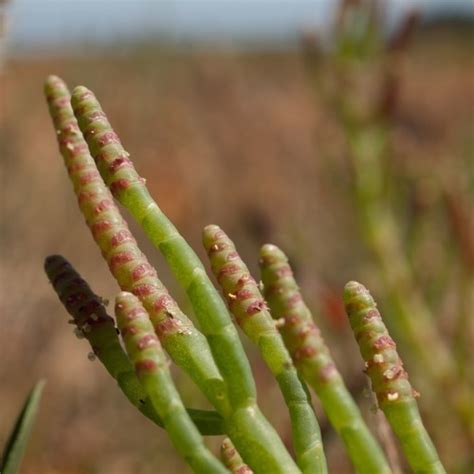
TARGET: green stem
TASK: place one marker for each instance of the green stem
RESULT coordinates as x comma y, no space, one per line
258,443
186,345
94,324
358,55
151,367
232,460
126,185
235,396
394,392
314,362
247,305
379,226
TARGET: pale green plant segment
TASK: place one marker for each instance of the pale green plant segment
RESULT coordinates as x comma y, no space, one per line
254,437
368,132
314,362
187,347
395,395
234,398
232,460
151,367
129,188
94,324
250,310
151,322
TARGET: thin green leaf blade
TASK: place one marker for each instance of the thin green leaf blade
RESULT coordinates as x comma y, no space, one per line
18,440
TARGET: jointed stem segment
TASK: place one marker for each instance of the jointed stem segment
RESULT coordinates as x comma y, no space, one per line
234,398
232,460
126,185
394,392
232,393
186,345
150,319
367,128
314,362
249,308
94,324
152,370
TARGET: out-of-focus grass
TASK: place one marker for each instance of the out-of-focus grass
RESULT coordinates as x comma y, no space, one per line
233,139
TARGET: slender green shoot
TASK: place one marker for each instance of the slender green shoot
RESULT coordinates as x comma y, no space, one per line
129,188
94,324
232,393
314,362
395,395
234,398
247,305
186,345
151,367
358,53
232,460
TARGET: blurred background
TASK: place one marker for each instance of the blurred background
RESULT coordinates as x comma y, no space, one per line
242,113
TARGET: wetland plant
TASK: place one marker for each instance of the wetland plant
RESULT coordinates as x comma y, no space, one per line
272,314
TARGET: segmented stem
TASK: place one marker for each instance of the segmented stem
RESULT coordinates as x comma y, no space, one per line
249,308
186,345
151,367
255,438
313,360
395,395
232,460
129,188
94,324
369,150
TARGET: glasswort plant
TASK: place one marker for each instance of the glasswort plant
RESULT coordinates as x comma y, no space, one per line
151,324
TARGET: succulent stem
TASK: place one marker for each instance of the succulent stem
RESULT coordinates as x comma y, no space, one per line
151,367
232,460
383,238
235,396
395,395
94,324
129,188
249,308
314,362
186,345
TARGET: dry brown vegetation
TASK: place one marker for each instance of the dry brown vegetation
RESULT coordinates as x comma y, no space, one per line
234,139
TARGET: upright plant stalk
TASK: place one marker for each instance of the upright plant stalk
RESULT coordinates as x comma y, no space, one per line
367,129
151,367
126,185
314,362
256,440
394,392
382,235
94,324
186,345
232,460
247,305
